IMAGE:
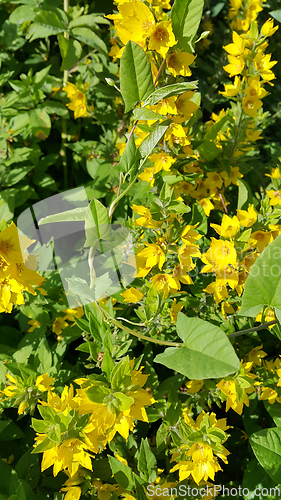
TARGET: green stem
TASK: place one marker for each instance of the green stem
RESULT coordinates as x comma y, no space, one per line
114,203
255,329
139,335
64,127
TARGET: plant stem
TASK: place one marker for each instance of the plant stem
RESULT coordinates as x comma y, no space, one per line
139,335
255,329
64,127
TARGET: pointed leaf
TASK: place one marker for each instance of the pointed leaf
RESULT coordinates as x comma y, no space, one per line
206,351
136,82
186,16
263,285
169,91
266,445
149,143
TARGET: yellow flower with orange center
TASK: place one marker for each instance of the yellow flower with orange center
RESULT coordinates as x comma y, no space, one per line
162,38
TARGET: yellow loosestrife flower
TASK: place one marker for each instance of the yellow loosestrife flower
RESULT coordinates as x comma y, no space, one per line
178,63
247,217
132,295
162,38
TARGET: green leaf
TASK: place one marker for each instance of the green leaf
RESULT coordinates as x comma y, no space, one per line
72,54
88,20
147,464
263,285
198,215
40,123
97,223
69,215
245,197
9,431
87,36
122,402
274,411
206,352
121,375
44,355
146,114
266,446
276,14
186,16
83,324
255,480
130,157
122,473
151,141
40,426
23,14
169,91
136,82
50,20
97,394
16,175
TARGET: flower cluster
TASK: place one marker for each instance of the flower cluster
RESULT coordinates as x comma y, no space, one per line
198,456
17,269
78,426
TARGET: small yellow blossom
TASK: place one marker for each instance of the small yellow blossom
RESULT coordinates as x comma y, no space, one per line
132,295
247,217
162,38
178,63
275,197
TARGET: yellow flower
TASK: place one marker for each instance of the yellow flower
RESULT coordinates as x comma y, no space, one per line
67,456
194,386
229,227
178,63
78,102
34,324
132,295
213,181
235,66
220,292
164,283
247,217
10,248
275,197
162,38
146,218
22,407
253,135
73,493
59,325
162,161
154,255
44,383
207,205
189,235
270,316
71,314
226,309
175,309
268,29
269,394
185,106
260,240
237,47
231,90
275,173
134,22
251,107
227,276
263,65
254,90
202,465
231,178
256,355
148,176
221,254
